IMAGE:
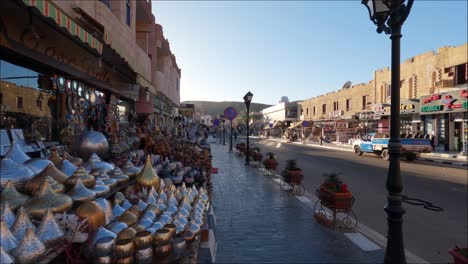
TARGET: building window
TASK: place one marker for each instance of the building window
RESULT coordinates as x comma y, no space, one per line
348,105
302,111
39,104
364,101
461,74
106,2
19,102
313,110
335,106
324,109
307,111
128,12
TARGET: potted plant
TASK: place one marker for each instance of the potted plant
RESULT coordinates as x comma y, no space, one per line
334,194
460,255
270,162
291,173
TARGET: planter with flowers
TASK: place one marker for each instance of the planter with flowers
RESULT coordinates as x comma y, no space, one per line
334,194
270,162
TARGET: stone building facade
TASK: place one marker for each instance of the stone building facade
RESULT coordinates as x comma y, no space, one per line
443,73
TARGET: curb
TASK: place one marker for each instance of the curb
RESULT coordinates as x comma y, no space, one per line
433,160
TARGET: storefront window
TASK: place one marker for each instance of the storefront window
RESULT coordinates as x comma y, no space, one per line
24,105
441,130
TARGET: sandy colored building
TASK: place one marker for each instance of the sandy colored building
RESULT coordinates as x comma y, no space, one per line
442,73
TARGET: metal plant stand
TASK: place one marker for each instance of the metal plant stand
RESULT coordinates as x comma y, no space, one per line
340,208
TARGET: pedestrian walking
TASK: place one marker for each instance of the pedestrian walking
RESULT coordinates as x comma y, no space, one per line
235,135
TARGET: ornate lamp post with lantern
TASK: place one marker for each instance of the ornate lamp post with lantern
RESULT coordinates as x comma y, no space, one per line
247,100
389,16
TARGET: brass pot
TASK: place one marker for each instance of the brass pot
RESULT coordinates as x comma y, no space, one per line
17,173
139,228
127,260
49,232
37,165
124,248
153,208
67,167
117,210
45,198
7,215
189,236
117,227
88,180
6,258
16,154
119,198
80,194
127,233
7,241
21,224
143,240
53,172
162,236
171,227
30,249
54,156
13,197
104,246
164,250
104,260
130,170
128,218
152,197
135,210
102,232
74,160
148,177
106,207
149,215
93,212
101,190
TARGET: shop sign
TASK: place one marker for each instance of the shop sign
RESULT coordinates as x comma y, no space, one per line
454,101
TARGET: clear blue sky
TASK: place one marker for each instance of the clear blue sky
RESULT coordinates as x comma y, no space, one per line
298,49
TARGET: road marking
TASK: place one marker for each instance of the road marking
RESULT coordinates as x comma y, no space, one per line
362,242
278,145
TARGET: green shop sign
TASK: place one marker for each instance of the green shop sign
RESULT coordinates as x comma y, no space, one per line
465,105
432,108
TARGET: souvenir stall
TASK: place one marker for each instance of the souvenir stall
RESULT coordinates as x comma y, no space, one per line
105,203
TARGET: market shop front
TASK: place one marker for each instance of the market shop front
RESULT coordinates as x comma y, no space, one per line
409,115
65,79
445,117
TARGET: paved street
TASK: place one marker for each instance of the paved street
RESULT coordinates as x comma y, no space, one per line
427,234
256,222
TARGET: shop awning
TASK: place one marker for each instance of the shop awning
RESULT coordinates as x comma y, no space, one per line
143,82
48,9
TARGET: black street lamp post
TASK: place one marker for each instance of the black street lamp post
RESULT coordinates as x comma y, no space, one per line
224,131
247,100
389,16
221,117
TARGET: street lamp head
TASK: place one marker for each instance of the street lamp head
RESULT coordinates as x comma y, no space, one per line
379,10
248,98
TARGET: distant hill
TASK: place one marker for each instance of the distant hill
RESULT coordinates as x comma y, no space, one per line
217,108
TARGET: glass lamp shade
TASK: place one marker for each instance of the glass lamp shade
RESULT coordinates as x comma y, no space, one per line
378,9
248,98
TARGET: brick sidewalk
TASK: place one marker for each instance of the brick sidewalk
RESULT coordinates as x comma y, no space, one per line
256,222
